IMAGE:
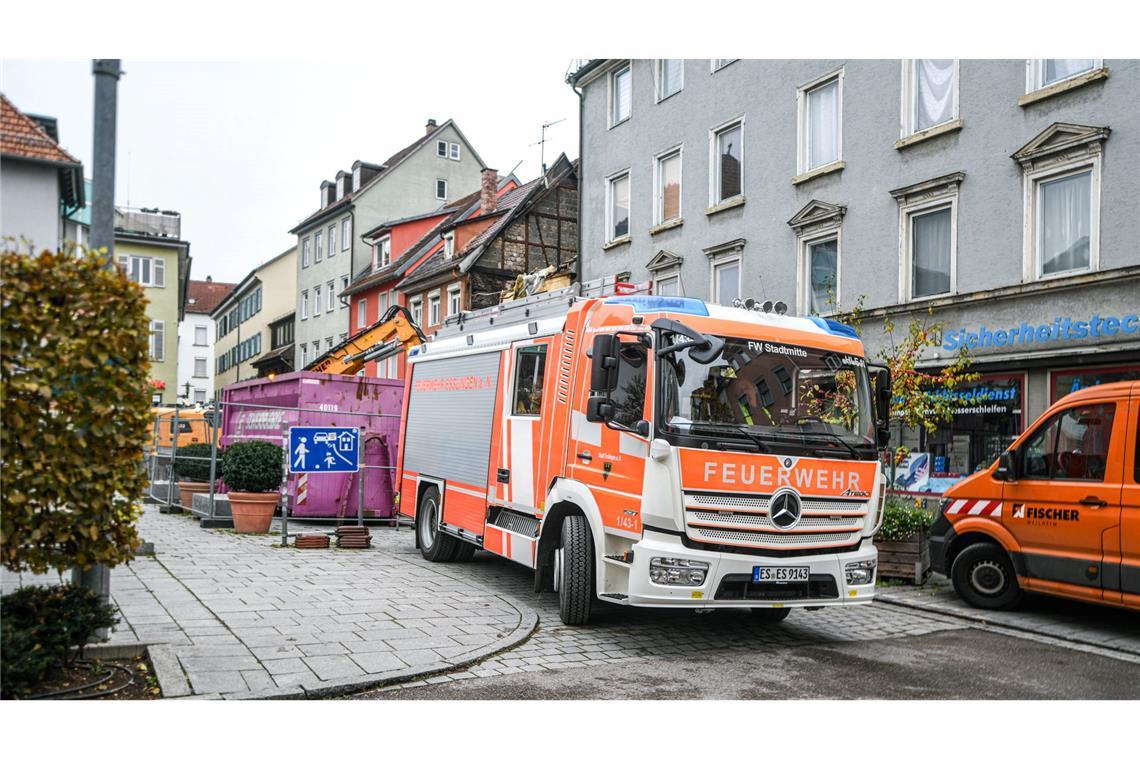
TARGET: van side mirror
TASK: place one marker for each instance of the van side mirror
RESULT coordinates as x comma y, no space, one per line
599,409
604,363
882,379
1007,467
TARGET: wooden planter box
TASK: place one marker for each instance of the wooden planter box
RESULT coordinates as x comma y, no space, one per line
908,560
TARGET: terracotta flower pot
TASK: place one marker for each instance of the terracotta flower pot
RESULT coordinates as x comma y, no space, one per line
187,489
253,512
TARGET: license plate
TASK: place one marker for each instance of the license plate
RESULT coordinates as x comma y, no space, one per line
798,574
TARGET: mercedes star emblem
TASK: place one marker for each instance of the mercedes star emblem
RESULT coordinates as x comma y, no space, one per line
784,509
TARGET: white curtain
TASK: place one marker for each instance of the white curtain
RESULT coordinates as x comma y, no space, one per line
621,96
822,263
823,118
931,252
1065,220
727,283
933,92
670,76
1057,69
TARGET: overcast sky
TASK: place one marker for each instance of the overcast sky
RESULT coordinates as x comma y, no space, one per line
240,148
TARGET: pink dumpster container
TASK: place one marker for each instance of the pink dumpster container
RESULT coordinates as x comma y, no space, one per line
319,399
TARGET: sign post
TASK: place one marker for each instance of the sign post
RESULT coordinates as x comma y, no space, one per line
360,484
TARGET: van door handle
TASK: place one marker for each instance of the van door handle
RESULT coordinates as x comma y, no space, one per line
1094,502
585,456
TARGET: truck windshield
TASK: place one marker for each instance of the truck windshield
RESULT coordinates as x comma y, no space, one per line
778,396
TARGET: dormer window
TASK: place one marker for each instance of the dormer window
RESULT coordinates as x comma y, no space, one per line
449,245
356,179
340,186
382,253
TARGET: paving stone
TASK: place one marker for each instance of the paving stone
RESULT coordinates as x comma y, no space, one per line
328,667
377,662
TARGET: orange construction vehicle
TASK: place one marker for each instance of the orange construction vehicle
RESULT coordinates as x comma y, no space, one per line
193,425
1057,513
393,333
650,451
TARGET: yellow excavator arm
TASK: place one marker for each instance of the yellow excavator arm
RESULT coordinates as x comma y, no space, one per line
393,333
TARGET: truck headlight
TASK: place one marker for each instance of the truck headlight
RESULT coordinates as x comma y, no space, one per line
860,573
670,571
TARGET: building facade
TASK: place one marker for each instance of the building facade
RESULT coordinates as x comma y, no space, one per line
1000,198
41,184
150,250
437,167
196,340
242,319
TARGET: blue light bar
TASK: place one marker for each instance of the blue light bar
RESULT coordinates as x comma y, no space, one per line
836,328
643,304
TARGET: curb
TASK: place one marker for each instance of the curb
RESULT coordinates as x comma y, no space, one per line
528,621
978,618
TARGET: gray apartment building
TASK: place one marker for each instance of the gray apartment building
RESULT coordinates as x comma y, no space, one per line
999,197
438,167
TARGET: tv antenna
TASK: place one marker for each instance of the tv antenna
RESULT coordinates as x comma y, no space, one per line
542,142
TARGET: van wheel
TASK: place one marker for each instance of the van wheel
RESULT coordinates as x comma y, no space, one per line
985,578
435,546
770,614
574,571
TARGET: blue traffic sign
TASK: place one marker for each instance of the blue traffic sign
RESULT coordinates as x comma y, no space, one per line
324,449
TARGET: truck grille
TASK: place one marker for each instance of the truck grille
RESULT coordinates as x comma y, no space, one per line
743,521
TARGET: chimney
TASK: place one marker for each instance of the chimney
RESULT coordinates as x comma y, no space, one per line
488,191
431,125
209,278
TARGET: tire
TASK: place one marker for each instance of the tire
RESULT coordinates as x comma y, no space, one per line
435,546
464,551
770,614
574,569
984,576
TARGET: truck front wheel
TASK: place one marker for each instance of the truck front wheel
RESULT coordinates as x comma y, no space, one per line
434,545
574,571
984,576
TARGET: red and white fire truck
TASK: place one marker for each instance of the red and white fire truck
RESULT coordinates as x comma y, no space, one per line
649,450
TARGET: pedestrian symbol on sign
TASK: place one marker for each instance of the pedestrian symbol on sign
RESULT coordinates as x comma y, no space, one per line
332,449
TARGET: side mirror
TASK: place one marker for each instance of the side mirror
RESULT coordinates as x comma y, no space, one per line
883,436
883,397
1007,467
604,363
599,409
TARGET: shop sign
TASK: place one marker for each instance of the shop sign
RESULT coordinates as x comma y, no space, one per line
1061,329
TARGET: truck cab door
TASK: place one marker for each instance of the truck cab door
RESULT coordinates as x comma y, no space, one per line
1065,505
522,445
1130,512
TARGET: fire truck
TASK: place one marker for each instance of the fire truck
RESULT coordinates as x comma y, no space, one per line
652,451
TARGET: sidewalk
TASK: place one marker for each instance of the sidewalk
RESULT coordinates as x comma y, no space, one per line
1078,622
246,618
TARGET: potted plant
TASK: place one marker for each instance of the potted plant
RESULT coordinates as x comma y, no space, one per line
251,471
901,540
192,468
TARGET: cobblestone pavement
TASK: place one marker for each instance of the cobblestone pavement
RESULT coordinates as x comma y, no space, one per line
1077,622
245,617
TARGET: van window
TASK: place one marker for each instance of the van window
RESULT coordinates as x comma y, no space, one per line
1072,445
530,364
629,396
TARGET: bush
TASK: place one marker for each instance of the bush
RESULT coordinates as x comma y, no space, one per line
253,466
46,627
74,410
903,518
197,469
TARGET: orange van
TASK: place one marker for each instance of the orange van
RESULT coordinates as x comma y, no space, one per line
193,427
1057,513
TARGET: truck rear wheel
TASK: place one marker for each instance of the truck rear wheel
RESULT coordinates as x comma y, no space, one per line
574,571
984,576
434,545
770,614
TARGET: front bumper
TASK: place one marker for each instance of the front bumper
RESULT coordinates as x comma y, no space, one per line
728,581
940,536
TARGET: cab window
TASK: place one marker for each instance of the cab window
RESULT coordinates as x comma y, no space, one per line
629,396
1072,445
530,365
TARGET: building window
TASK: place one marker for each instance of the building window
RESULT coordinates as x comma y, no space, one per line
433,309
199,366
822,267
667,204
670,75
1064,223
620,93
820,122
331,295
318,249
332,240
304,304
441,148
453,303
346,233
199,395
441,189
530,367
382,253
145,270
930,93
362,313
818,241
344,287
157,340
1046,71
928,234
304,354
454,154
726,280
316,300
727,176
316,350
328,344
383,305
417,311
449,245
201,337
304,253
720,63
667,284
617,207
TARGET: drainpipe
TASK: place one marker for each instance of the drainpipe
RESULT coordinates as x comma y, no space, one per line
581,163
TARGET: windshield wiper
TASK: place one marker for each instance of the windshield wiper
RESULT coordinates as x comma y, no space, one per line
835,437
741,430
